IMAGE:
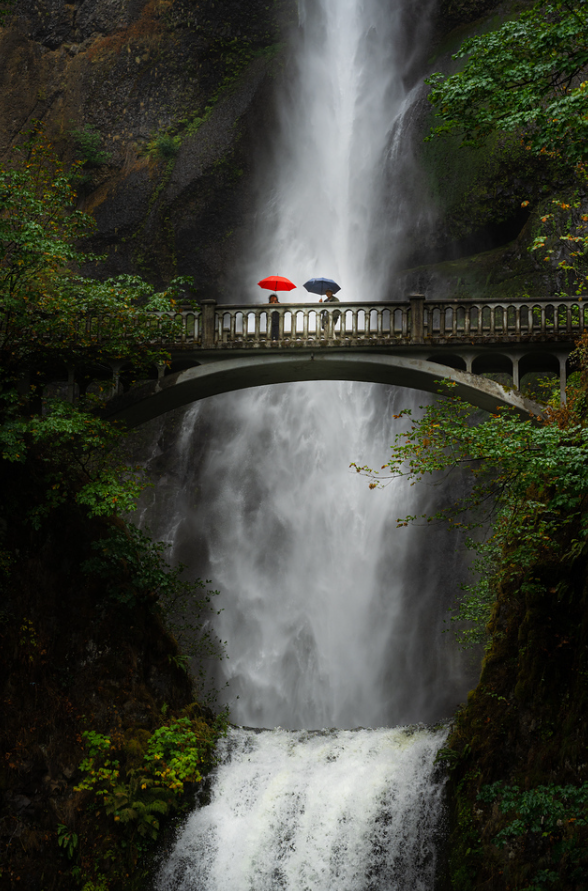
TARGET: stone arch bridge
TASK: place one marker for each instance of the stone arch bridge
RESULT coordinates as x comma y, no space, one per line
412,343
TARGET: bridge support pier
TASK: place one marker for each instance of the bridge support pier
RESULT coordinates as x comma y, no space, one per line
562,379
516,378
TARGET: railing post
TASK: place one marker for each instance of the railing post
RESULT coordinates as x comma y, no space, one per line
417,316
208,326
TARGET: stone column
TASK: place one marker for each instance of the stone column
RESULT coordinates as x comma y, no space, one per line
208,320
417,317
563,379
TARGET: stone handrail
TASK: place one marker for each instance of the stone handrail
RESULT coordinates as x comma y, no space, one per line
413,321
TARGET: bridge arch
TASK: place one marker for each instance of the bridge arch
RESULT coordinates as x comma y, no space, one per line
210,378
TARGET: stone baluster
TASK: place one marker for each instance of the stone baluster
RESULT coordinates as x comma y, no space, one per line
467,320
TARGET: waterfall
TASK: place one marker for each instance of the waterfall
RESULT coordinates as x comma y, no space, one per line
332,615
329,811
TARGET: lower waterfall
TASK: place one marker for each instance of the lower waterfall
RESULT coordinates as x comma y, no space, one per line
329,810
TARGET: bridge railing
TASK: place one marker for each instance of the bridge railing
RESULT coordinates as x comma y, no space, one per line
412,321
358,322
488,319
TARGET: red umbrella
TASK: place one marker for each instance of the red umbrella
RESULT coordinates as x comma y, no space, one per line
276,283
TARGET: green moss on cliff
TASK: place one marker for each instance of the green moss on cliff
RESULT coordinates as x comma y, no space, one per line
525,724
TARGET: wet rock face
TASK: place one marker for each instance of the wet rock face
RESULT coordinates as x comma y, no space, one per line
172,93
453,13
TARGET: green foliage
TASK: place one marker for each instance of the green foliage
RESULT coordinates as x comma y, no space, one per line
563,238
527,482
51,318
552,814
174,755
70,444
67,839
544,810
6,10
99,883
526,77
164,146
49,311
88,141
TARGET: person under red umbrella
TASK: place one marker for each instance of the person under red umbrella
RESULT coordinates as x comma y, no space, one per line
275,318
276,283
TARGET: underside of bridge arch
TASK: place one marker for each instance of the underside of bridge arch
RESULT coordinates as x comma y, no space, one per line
538,362
157,397
449,360
492,363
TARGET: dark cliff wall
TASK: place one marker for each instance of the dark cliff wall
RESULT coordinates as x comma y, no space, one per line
173,93
526,725
74,657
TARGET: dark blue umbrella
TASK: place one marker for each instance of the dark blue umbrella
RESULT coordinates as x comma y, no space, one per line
321,286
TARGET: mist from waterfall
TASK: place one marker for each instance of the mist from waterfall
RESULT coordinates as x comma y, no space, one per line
332,615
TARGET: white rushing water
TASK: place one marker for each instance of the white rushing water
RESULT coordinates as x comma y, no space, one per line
332,615
338,811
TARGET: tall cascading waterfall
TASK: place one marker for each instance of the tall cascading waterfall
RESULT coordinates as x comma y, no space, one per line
332,616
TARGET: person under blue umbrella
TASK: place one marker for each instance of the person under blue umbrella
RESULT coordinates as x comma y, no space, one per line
328,288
